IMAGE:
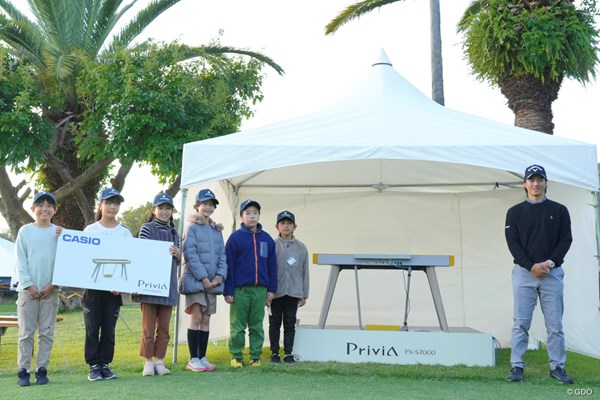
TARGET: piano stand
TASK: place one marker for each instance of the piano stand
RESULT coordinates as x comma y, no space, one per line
406,302
433,286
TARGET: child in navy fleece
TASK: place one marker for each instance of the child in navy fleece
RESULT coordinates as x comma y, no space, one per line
251,279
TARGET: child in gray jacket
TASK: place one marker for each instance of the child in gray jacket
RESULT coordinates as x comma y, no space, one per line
293,285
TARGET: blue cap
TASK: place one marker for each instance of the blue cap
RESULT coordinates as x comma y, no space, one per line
108,193
205,195
40,195
248,203
163,198
286,215
535,170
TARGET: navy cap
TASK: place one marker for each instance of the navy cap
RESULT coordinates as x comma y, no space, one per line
286,215
163,198
535,170
40,195
108,193
248,203
205,195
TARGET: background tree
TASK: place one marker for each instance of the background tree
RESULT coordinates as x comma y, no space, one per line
6,235
437,72
134,217
90,101
527,48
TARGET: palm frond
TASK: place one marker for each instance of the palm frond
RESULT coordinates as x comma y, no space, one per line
143,18
102,19
10,10
215,53
26,38
355,11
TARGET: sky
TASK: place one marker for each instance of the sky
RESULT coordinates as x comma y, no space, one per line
320,69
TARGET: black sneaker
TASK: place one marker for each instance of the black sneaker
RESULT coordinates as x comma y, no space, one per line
23,376
41,376
290,358
94,374
275,359
107,373
561,375
516,374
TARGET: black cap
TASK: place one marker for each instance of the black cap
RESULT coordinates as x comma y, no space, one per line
535,170
286,215
248,203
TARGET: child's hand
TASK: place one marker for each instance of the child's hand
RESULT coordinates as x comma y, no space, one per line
270,297
217,281
229,299
301,302
33,292
47,291
58,230
175,252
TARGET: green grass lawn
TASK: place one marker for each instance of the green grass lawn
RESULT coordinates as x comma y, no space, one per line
305,380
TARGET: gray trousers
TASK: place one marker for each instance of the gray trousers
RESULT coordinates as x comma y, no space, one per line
526,290
35,314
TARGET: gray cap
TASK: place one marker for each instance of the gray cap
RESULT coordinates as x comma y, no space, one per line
40,196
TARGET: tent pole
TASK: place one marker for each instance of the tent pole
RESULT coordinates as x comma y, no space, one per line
180,227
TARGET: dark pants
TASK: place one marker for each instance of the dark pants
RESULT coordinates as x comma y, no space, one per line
283,309
100,314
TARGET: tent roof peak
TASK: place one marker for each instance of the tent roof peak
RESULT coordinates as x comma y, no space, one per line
382,59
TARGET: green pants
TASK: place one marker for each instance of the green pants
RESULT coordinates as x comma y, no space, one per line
247,310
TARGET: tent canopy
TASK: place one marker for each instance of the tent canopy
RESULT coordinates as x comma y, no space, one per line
384,134
386,170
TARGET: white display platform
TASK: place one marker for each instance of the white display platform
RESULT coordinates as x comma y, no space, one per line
417,346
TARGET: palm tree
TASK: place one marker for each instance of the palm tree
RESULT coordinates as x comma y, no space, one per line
527,48
363,7
62,35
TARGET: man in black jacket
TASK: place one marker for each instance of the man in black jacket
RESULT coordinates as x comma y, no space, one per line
538,234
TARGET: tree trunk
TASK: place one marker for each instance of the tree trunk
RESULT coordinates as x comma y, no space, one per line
530,99
12,205
437,71
62,167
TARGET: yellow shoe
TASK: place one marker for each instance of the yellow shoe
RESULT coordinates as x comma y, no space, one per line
255,362
235,363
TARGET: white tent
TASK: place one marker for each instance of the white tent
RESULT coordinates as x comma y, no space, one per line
387,170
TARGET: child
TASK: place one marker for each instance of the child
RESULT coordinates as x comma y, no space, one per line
156,310
204,271
251,279
292,286
37,302
100,307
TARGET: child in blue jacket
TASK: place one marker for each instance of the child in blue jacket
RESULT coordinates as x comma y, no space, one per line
251,281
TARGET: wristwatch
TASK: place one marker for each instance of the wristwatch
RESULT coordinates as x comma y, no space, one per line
551,264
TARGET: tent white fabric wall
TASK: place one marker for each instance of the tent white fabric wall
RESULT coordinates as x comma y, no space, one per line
386,170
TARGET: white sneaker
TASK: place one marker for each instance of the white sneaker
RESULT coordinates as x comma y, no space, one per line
161,368
195,365
208,366
148,369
